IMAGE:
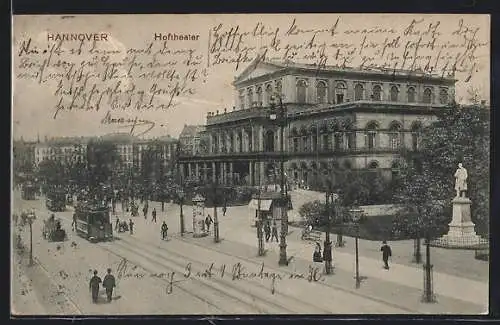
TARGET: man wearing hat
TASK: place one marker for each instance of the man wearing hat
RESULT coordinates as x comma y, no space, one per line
109,284
94,286
386,253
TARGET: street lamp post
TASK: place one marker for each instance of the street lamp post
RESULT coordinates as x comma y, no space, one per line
428,295
30,218
181,215
356,217
260,224
281,118
328,244
216,218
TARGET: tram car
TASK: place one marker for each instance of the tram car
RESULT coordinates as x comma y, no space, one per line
56,201
28,191
93,222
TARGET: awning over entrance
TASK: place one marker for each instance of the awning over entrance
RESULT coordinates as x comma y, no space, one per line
265,205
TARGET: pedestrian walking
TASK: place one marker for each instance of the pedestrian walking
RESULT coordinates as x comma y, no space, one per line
386,253
131,226
73,224
145,211
164,229
117,225
109,284
274,232
267,230
153,214
208,222
94,286
162,205
317,253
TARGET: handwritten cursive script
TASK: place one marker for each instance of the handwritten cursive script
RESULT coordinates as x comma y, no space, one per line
127,122
235,272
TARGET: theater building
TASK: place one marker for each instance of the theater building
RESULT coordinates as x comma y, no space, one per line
336,120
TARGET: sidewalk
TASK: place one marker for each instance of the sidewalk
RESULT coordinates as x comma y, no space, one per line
385,291
239,239
444,284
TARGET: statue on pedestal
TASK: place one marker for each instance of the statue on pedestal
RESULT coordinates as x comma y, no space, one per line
461,180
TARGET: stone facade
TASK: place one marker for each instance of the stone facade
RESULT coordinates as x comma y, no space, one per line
333,120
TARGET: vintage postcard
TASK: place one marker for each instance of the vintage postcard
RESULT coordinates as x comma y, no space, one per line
250,164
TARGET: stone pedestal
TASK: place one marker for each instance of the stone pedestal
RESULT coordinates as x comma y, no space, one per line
461,233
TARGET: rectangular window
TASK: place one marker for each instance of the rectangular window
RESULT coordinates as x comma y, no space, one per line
350,140
338,141
295,144
340,98
326,140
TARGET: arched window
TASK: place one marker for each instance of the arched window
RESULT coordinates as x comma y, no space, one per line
269,141
371,134
416,128
250,97
314,138
305,143
427,99
242,99
338,140
301,91
411,95
321,92
278,88
259,96
395,135
340,92
394,94
326,141
350,136
377,93
358,92
269,94
443,96
373,164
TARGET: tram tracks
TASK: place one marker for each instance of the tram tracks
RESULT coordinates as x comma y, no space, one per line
329,285
227,298
264,289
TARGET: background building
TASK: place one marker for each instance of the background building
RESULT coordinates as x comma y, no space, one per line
336,120
63,150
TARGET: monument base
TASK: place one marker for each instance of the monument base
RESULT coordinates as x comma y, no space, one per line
199,235
461,233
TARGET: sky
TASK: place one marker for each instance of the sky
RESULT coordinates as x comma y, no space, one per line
33,103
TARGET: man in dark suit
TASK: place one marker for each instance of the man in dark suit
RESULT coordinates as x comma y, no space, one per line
94,286
386,253
109,284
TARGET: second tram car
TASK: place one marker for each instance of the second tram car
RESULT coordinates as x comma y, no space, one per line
28,191
93,222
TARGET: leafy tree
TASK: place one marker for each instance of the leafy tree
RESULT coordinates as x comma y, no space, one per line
364,188
422,215
461,134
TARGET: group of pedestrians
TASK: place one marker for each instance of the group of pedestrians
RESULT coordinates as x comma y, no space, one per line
164,227
271,232
385,249
108,283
